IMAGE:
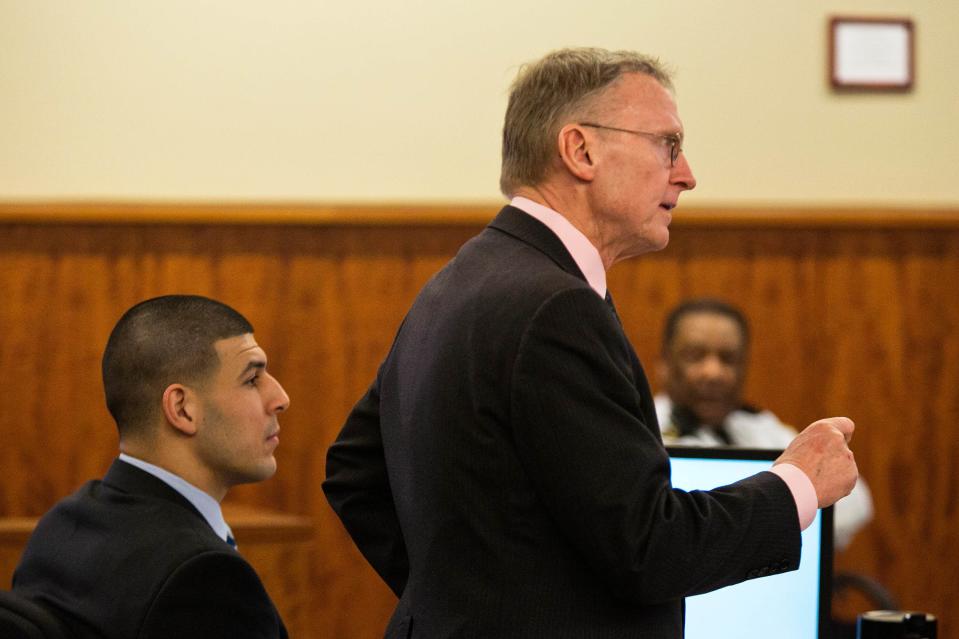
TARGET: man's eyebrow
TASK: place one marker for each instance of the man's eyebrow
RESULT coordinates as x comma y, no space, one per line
257,364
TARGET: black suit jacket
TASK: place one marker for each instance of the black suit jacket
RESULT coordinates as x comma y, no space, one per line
505,473
129,557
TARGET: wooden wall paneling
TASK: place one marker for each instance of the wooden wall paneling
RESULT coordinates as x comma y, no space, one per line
914,451
373,285
859,316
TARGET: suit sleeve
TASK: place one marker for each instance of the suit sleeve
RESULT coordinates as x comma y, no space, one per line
604,475
214,595
358,488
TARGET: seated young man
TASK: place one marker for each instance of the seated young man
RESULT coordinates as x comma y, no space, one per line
145,552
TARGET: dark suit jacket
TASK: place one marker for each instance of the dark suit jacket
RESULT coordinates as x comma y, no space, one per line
130,558
505,473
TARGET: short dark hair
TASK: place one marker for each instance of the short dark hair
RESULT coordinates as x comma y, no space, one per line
709,306
159,342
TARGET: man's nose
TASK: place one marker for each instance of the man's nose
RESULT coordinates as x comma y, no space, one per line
712,367
279,401
682,173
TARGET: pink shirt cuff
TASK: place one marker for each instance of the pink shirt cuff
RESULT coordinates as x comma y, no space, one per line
804,493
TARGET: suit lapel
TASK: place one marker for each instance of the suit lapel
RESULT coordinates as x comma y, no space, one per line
529,230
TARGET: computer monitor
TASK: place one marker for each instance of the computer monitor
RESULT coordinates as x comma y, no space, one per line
792,605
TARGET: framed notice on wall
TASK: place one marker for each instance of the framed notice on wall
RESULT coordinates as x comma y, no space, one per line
873,54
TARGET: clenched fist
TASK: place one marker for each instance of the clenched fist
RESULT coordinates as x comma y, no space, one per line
821,451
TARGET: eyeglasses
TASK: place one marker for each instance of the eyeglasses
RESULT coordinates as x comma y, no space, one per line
674,140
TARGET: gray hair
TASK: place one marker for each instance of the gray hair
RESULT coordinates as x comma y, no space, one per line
548,93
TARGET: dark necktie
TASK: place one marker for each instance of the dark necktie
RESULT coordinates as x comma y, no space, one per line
230,540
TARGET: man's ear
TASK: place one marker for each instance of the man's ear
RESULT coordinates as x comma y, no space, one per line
181,408
574,151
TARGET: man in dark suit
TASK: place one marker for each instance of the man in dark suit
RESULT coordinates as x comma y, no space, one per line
146,552
505,473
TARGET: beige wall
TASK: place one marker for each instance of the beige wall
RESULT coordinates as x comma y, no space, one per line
402,101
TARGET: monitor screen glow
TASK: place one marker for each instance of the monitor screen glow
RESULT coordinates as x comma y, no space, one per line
785,606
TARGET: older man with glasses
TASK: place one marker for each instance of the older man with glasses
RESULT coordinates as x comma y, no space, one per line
505,473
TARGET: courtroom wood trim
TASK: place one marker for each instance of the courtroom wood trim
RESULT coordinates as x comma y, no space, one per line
254,524
250,213
816,217
16,530
454,214
250,524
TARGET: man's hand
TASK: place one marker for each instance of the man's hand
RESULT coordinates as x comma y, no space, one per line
821,451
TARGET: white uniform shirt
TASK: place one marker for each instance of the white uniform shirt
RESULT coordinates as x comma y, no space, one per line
764,430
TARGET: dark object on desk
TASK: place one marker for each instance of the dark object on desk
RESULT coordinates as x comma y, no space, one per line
896,624
876,595
21,618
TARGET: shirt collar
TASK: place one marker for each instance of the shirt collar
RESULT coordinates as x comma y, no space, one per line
206,504
580,248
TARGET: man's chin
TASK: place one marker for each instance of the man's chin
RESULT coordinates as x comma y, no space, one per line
261,472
